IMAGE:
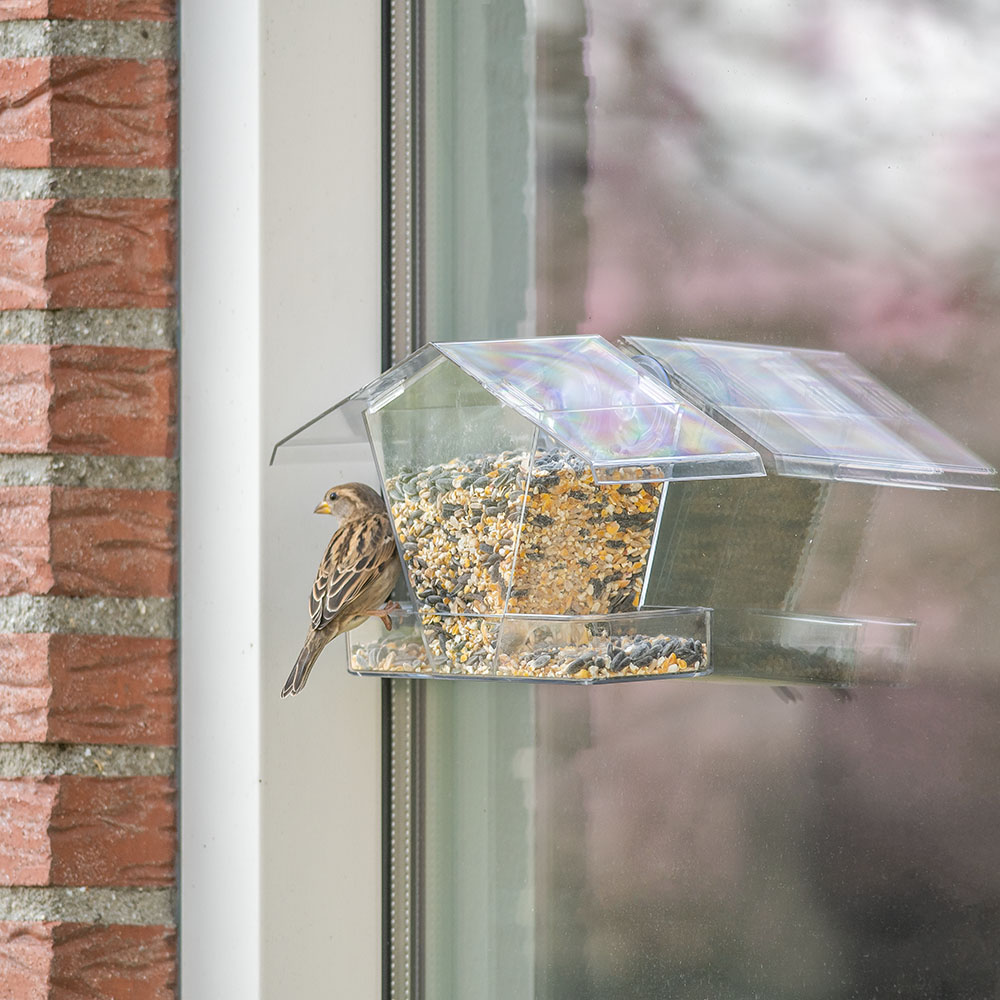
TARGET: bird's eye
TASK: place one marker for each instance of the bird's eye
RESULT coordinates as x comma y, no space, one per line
331,495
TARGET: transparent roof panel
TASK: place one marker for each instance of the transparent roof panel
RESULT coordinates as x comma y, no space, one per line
817,414
343,424
592,399
585,394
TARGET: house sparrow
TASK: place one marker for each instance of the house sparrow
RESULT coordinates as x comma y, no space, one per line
357,574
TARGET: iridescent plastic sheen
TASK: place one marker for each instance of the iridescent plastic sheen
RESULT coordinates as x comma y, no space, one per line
817,414
591,398
585,394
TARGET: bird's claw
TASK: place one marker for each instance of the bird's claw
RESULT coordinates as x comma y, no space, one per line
383,614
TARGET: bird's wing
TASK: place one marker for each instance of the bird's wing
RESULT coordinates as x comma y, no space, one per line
358,552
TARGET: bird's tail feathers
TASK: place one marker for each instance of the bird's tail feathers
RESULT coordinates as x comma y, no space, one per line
296,680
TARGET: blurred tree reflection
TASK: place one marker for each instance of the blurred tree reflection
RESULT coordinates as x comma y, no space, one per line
822,175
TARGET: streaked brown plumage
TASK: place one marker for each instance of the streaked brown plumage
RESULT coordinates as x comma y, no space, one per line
354,579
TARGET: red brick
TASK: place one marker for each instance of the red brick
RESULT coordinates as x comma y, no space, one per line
74,830
94,10
72,111
26,806
113,962
113,401
25,112
87,689
87,542
114,10
17,10
117,543
25,959
26,389
69,961
113,831
87,400
110,253
112,689
25,688
87,253
25,548
113,113
24,243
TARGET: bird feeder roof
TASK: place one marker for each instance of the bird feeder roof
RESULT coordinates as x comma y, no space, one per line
815,414
585,394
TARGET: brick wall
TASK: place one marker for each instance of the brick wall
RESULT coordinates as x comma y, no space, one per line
88,115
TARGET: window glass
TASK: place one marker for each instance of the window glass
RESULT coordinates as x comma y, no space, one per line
810,175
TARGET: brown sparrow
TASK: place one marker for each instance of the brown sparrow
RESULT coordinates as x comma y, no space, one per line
357,574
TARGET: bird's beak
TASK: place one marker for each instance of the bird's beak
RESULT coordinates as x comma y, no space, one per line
323,508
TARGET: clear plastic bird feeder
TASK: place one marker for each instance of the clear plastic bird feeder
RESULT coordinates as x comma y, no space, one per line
524,480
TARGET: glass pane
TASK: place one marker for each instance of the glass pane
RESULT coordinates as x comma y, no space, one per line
816,176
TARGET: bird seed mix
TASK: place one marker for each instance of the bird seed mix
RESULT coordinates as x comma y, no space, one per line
600,654
522,533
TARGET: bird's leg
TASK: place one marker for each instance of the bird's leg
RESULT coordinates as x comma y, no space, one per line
383,613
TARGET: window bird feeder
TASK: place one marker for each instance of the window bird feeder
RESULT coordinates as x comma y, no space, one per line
524,480
565,510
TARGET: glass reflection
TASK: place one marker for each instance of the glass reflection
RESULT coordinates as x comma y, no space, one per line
817,413
821,176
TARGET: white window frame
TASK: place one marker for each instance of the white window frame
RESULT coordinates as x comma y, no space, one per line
280,874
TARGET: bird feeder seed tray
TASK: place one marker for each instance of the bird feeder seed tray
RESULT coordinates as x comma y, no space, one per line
588,649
